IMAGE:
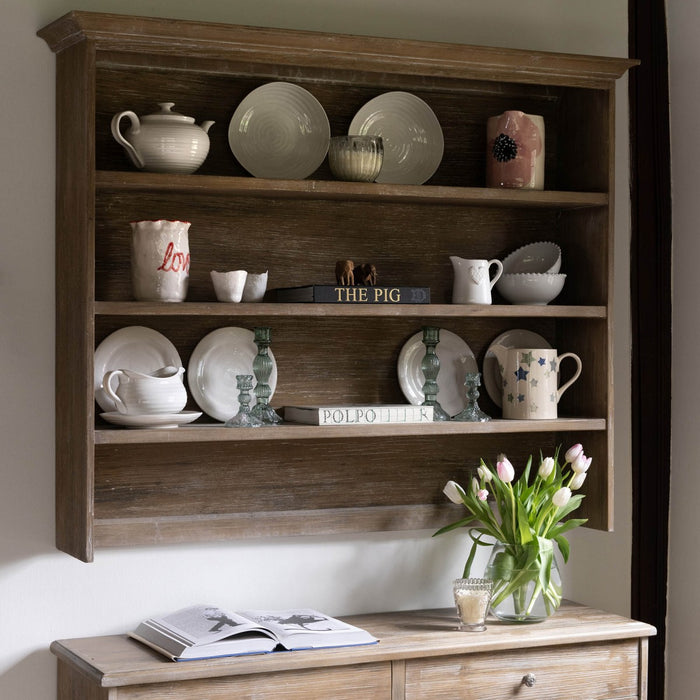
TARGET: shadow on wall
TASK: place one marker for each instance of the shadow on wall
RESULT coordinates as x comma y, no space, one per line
24,680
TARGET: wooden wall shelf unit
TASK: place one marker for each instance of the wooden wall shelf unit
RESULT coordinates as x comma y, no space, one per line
116,487
577,653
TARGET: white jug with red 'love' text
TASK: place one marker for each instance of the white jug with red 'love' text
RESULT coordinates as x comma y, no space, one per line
160,260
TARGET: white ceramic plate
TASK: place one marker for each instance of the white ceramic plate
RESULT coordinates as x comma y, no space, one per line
515,338
132,347
215,362
279,130
451,350
412,136
155,420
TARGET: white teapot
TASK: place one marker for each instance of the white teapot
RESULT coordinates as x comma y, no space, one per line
163,142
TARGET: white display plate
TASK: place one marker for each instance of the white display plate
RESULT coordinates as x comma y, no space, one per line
155,420
279,130
411,133
132,347
212,370
451,391
514,338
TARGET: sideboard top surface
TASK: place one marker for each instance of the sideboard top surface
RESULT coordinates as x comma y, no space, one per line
118,660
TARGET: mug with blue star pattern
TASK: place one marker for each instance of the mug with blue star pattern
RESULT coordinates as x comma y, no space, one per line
531,381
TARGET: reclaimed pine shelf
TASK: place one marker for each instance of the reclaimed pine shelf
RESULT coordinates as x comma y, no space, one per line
347,191
208,432
202,482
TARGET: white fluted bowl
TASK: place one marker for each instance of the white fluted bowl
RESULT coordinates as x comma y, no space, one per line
537,288
543,256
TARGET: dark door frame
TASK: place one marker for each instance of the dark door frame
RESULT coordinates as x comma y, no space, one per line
651,323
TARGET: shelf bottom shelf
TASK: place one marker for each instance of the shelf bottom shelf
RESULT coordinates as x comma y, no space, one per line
119,532
217,432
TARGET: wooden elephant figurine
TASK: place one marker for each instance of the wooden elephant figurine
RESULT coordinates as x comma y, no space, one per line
344,272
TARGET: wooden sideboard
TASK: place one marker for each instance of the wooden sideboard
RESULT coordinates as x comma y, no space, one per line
578,653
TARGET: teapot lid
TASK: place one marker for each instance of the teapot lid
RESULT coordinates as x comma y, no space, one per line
166,114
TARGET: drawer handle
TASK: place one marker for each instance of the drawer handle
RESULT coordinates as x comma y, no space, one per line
529,680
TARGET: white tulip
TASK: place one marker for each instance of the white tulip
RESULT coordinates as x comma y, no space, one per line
561,497
546,467
453,491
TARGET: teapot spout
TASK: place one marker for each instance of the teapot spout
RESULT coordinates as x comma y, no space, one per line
206,125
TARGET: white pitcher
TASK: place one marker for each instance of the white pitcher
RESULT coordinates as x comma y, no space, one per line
472,281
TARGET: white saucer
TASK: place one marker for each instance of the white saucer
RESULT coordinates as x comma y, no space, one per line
451,349
213,366
155,420
132,347
515,338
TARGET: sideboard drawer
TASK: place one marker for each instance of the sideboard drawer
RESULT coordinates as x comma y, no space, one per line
607,671
363,682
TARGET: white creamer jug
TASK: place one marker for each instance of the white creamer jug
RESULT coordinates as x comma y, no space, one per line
137,393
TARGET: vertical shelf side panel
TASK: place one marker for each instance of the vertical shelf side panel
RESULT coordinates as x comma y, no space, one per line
75,173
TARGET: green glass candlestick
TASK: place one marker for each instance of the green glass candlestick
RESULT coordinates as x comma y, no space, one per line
244,418
430,365
262,369
472,412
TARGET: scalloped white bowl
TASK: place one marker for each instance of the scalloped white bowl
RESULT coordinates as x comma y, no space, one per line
537,288
543,256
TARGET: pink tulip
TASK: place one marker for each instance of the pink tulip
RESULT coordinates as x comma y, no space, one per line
581,463
482,494
573,452
506,472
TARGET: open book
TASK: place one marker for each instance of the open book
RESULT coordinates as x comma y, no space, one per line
204,631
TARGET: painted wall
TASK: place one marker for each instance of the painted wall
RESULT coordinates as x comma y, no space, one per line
683,673
44,594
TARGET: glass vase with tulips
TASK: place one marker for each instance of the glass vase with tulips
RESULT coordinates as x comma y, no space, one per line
524,518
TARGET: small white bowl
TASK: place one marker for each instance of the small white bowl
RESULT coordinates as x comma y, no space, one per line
229,286
542,256
537,288
255,286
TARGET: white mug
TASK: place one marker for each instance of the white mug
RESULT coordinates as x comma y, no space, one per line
160,260
531,381
472,281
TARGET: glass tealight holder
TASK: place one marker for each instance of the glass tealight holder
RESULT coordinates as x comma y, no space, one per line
472,598
356,158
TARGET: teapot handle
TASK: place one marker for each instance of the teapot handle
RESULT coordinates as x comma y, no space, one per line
135,128
107,388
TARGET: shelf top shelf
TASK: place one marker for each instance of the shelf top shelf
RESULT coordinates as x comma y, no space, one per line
357,191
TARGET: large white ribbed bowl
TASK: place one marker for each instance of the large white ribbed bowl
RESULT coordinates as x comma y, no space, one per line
279,130
412,136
